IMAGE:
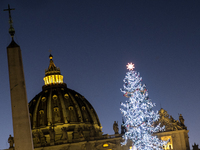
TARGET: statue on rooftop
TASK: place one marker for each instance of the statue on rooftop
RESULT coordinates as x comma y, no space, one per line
64,133
36,137
181,119
11,141
115,127
51,133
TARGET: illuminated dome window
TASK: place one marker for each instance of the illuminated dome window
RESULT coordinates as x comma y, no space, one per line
56,109
83,107
43,99
70,108
41,111
66,96
55,97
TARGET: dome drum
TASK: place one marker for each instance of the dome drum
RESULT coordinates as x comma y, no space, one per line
61,85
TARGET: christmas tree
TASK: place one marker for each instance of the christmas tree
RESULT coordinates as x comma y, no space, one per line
139,115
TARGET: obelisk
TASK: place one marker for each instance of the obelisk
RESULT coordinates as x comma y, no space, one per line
20,111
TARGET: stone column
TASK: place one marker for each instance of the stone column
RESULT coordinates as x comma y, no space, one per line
20,112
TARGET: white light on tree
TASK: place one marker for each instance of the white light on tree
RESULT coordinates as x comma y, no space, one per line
138,114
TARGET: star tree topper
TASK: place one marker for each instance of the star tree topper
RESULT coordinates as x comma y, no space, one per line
130,66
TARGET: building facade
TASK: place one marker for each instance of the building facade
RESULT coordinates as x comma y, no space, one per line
175,130
63,119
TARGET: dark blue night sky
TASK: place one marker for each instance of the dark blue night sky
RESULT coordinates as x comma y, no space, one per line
91,43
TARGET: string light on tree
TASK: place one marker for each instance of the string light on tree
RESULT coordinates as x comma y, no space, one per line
138,114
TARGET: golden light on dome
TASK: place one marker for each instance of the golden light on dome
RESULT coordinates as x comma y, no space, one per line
53,79
130,66
105,145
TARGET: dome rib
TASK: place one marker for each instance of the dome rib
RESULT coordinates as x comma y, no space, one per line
49,108
35,113
77,108
63,107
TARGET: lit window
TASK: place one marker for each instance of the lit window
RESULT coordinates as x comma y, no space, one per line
54,97
169,145
43,99
41,112
70,108
66,96
53,79
50,79
56,109
105,145
83,107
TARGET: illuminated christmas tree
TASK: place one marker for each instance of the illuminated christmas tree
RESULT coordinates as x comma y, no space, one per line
139,115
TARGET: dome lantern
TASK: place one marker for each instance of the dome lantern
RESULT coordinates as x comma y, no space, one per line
52,74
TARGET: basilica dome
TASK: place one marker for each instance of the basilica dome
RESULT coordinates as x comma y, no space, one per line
58,106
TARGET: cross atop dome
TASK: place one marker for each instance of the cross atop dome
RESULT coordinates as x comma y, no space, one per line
52,69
